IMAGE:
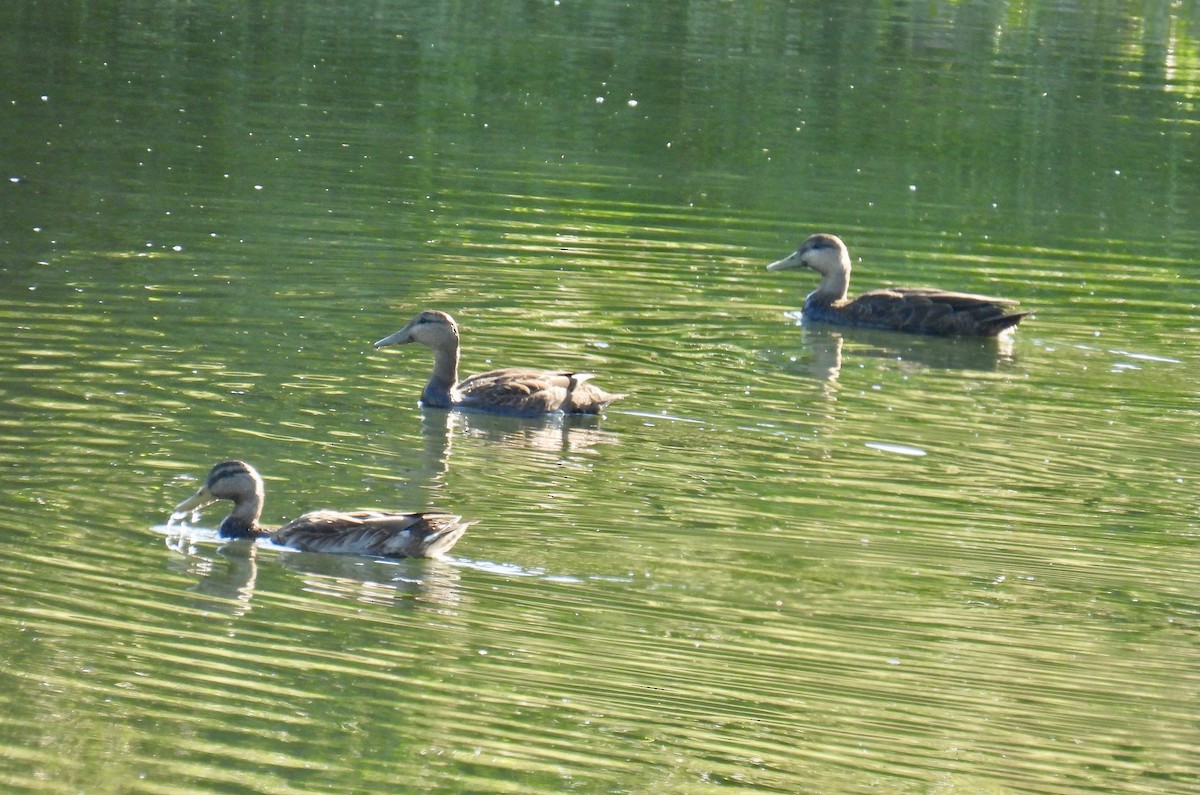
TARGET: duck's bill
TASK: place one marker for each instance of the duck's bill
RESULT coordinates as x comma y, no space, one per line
195,502
790,261
399,338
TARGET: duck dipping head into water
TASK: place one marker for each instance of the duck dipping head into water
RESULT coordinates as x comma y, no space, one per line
919,310
383,533
513,391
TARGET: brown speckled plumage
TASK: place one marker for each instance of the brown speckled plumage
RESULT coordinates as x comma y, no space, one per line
513,391
384,533
919,310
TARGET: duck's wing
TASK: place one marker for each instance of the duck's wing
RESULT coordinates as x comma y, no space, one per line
385,533
954,299
516,391
928,310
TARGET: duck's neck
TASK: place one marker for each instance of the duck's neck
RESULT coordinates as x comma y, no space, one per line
242,521
832,289
439,392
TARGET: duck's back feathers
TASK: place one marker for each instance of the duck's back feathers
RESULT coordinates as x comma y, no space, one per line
515,391
527,393
384,533
922,310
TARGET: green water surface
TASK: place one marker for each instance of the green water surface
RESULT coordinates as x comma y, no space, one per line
795,559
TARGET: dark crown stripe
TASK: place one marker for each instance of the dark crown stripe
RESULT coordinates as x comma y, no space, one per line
226,469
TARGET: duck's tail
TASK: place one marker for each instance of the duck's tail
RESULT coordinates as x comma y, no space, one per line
446,530
993,327
585,398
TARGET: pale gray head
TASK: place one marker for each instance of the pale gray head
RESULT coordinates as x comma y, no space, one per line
431,328
826,254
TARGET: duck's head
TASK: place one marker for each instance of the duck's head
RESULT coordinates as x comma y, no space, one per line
229,480
826,254
431,328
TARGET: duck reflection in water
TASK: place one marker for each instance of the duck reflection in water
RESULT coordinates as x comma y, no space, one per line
552,433
829,348
918,310
432,584
381,533
512,391
227,579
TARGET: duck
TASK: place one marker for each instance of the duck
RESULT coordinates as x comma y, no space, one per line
916,310
512,391
390,534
